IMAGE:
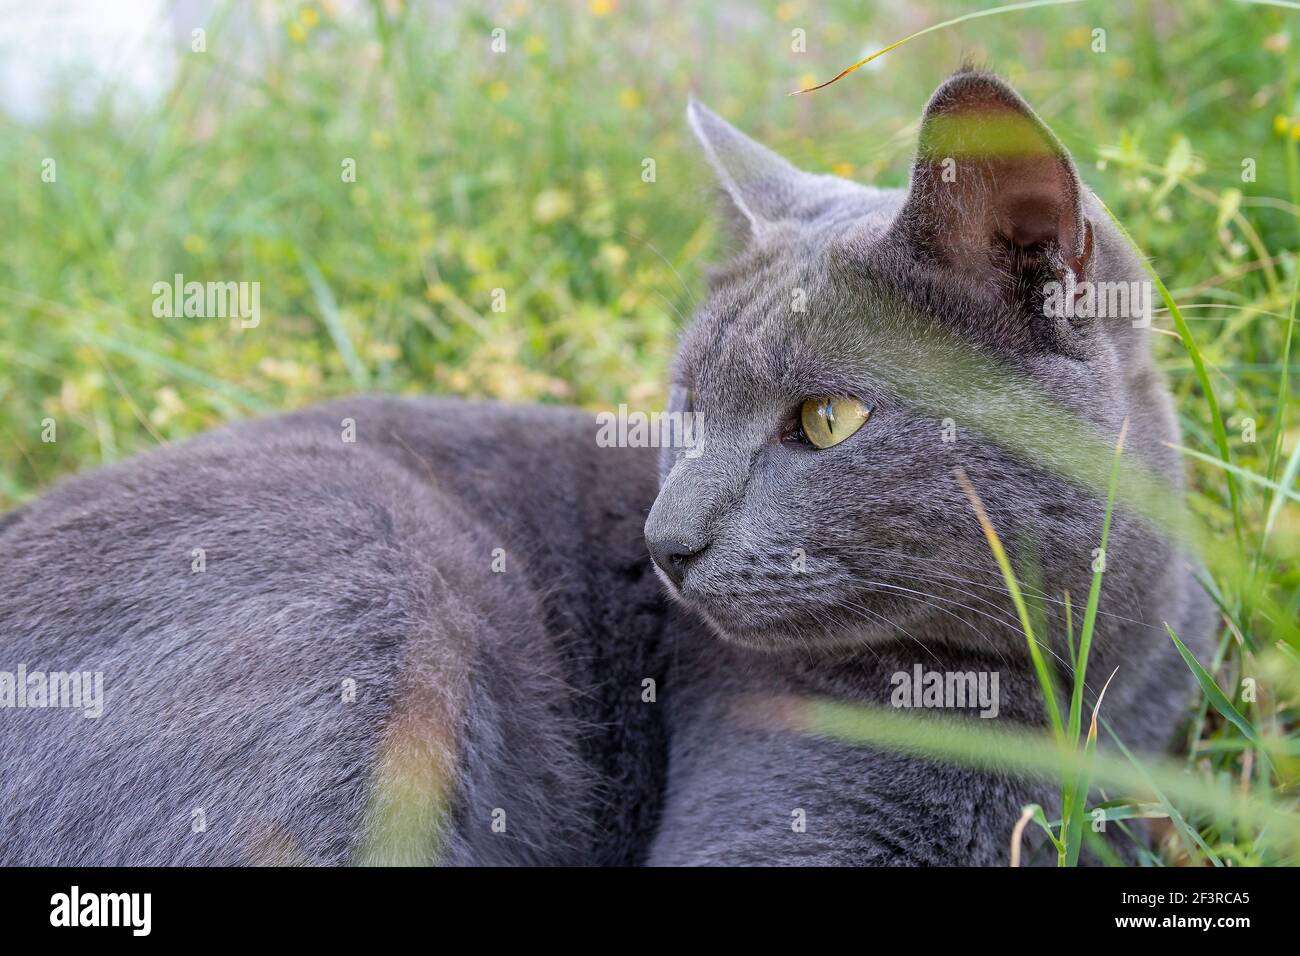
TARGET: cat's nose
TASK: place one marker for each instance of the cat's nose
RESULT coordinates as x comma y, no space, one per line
673,555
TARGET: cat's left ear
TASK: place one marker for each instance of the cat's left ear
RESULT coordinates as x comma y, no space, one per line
759,187
990,177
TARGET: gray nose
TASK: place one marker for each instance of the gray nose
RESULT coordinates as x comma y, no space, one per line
673,555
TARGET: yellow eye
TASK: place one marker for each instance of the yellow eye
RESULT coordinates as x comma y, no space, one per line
829,419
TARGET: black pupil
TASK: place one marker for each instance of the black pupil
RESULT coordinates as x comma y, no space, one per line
828,412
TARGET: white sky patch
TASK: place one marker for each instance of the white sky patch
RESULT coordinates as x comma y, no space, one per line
127,45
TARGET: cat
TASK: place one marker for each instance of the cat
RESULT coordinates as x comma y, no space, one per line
919,323
393,630
382,630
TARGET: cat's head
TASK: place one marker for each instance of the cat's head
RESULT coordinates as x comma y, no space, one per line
899,331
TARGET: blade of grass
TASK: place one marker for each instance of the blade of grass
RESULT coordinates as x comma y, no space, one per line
1033,812
1069,631
1186,830
1004,750
1010,8
1284,383
1013,587
1073,830
329,312
1250,476
178,369
1074,794
1219,700
1275,506
1202,376
1094,595
1112,810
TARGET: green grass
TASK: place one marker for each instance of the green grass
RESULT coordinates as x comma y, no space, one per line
523,172
1068,837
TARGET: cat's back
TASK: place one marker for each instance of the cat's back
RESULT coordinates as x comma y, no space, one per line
326,637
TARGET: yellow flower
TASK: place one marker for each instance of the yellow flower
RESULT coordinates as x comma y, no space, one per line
1281,124
602,8
786,12
308,17
382,352
1077,37
380,140
534,45
167,406
842,169
629,98
614,255
807,80
551,205
71,397
194,245
498,90
297,32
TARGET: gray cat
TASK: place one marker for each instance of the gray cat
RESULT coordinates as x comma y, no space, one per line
376,631
849,367
389,630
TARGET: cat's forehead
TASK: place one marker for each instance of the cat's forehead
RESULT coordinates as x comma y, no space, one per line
829,310
765,310
790,316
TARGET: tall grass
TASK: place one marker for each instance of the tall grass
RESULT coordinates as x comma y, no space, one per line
523,172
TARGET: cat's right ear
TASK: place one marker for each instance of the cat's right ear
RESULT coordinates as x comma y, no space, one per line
990,176
758,186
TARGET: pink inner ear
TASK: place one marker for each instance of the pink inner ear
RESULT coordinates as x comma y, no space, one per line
987,169
1040,210
1033,217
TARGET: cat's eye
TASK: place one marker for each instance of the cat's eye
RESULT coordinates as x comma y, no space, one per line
829,419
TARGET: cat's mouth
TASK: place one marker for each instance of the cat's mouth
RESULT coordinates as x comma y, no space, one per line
718,614
771,623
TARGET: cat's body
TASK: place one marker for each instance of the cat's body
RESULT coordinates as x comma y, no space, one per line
476,690
802,573
828,571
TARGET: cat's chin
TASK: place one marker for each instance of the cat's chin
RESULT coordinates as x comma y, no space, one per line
784,637
804,635
770,640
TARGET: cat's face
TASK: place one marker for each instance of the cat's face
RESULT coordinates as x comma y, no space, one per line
845,367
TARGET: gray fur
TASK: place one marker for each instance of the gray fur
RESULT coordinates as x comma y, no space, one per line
522,691
898,571
324,561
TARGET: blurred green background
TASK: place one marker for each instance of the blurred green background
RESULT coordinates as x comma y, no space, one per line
522,170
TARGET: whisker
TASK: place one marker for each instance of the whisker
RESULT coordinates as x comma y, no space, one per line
1000,587
990,570
984,637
